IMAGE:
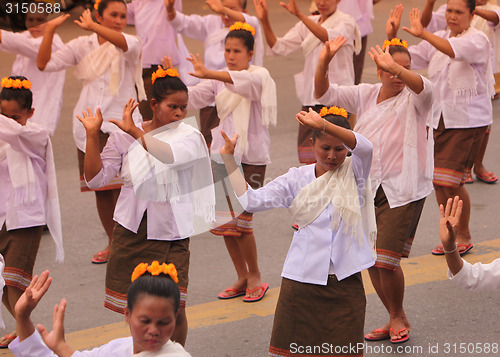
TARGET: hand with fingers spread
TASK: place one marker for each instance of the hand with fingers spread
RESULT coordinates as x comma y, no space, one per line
331,48
86,22
393,22
215,5
55,339
166,62
229,144
127,123
448,224
261,9
92,123
311,119
32,295
384,60
200,71
416,28
291,7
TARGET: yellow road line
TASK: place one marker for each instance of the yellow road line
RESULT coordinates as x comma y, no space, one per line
419,270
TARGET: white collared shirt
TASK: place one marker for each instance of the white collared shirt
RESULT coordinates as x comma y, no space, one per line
47,87
96,94
316,249
474,49
340,70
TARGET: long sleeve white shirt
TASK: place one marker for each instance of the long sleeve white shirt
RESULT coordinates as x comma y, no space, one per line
248,85
47,87
473,49
478,276
388,141
340,70
316,249
97,94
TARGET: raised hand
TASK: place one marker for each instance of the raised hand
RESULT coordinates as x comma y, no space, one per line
394,21
166,62
229,144
32,295
92,123
416,28
291,7
86,22
215,5
200,71
448,224
127,123
58,21
261,9
330,49
311,119
384,60
55,339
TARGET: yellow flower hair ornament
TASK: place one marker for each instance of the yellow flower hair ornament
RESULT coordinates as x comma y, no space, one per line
238,25
96,4
155,269
333,111
395,42
15,83
160,73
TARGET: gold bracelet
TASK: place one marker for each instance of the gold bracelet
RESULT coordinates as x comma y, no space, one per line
397,75
450,251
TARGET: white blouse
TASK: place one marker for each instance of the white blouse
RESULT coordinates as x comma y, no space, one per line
340,70
165,220
248,85
478,276
97,94
47,87
473,49
120,347
388,142
316,249
362,11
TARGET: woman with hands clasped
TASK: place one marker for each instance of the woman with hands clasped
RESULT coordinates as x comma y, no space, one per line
459,66
321,299
108,66
393,116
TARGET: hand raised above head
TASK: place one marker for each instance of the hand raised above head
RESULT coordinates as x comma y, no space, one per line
416,28
127,123
58,21
166,62
91,122
291,7
86,22
215,5
261,9
200,71
330,48
394,21
311,119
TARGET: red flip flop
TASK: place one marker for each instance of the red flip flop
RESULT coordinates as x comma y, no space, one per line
488,177
402,339
263,286
102,257
439,250
383,335
235,294
7,339
464,248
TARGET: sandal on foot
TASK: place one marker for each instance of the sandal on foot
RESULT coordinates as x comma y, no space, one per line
402,339
464,248
487,177
7,339
378,334
469,178
439,250
263,286
102,257
234,293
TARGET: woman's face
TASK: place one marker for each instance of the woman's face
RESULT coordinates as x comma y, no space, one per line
393,83
114,16
327,7
12,109
172,108
329,152
236,54
458,16
36,23
152,322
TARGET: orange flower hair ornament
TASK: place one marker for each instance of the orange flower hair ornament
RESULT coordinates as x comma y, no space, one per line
238,25
395,42
160,73
333,111
96,4
15,83
155,269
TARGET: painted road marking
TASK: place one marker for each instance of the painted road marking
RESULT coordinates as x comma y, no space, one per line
419,270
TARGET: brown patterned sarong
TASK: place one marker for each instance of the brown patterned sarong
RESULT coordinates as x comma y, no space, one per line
454,153
396,229
243,223
128,250
19,248
115,184
320,320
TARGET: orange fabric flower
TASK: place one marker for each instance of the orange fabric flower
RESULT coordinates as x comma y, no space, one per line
96,4
160,73
333,111
15,83
395,42
139,270
238,25
155,268
169,269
